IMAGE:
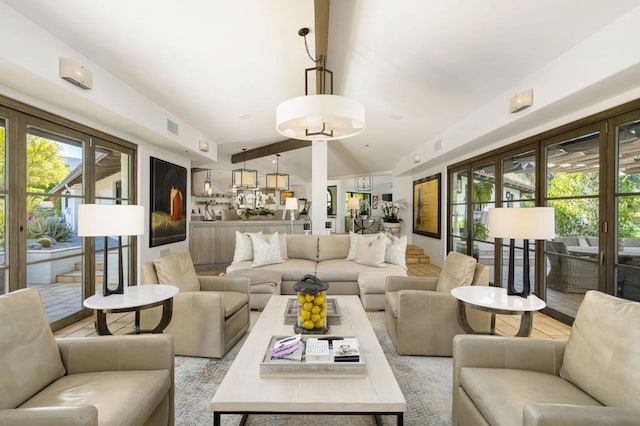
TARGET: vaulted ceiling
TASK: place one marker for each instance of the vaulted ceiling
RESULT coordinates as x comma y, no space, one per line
418,66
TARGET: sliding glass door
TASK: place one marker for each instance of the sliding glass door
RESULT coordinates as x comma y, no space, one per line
625,261
4,258
573,176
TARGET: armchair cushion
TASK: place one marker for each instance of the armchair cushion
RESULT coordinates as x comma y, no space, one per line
29,358
458,270
602,352
140,391
177,269
500,393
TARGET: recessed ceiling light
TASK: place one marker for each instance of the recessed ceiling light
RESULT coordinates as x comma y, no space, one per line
395,117
245,116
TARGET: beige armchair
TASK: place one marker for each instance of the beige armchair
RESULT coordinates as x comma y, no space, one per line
109,380
420,313
592,379
210,313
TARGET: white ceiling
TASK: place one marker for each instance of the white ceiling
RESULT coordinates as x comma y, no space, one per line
214,62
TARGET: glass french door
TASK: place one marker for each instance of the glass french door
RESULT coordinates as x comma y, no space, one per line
575,172
53,253
625,261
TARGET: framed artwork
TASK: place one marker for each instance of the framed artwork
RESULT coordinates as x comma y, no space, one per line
427,206
168,209
363,183
374,202
284,195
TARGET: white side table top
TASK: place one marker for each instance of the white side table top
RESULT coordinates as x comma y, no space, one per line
497,298
133,297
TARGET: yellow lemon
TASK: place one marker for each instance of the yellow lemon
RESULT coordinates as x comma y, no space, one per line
305,315
316,309
309,297
308,325
323,314
315,317
319,324
301,299
307,306
319,300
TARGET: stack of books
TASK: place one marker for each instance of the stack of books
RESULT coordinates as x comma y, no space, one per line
288,348
346,350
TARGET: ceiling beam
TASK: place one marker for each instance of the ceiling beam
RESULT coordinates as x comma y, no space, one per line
321,12
267,150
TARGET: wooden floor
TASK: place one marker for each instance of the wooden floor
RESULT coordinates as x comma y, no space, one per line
544,327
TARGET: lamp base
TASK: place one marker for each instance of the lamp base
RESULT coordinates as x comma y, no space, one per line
106,291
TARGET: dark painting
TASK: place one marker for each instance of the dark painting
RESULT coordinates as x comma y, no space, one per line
168,203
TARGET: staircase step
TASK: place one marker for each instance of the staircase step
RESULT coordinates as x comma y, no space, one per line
76,277
414,251
99,266
412,260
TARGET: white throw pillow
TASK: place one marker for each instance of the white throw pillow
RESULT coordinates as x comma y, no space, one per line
371,253
283,244
244,247
396,250
266,252
353,243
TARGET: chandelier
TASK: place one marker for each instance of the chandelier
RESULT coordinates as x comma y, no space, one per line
244,178
278,181
322,116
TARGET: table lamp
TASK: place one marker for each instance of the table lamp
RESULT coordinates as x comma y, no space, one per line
353,204
291,204
527,223
110,220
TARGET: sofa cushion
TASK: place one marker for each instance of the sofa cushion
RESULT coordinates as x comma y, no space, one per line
354,239
292,269
335,246
371,253
303,247
337,270
602,356
396,251
500,394
244,246
29,355
266,252
121,397
177,269
458,270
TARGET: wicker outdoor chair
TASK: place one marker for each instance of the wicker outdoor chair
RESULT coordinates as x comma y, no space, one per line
569,274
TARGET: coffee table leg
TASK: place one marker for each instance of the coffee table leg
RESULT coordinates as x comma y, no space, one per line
216,419
526,323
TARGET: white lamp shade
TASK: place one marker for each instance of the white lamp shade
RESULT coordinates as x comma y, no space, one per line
244,178
353,203
291,203
277,181
528,223
343,116
107,220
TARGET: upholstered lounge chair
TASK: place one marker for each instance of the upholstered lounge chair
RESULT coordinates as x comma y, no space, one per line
210,313
592,379
420,313
107,380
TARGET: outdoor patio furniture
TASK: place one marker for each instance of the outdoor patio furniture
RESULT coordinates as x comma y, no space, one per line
567,273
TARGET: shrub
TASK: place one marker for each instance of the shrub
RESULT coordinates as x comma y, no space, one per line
51,226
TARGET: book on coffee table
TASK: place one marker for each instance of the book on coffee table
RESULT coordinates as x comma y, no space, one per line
346,350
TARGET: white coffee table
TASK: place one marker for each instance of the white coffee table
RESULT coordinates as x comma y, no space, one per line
134,299
496,301
244,391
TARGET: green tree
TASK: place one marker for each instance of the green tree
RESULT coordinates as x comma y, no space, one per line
575,217
45,167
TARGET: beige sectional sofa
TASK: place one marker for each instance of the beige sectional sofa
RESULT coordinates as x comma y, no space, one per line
325,257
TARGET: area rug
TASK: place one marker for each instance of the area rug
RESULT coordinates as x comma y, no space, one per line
424,381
